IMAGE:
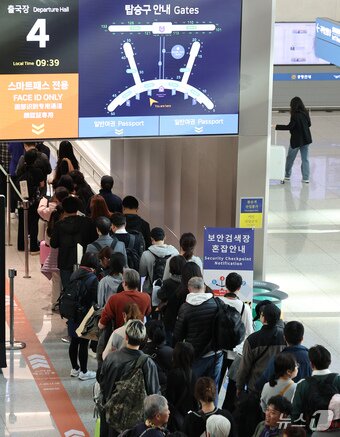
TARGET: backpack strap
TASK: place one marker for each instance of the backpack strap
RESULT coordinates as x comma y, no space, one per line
97,246
132,240
141,361
151,429
156,257
283,391
243,307
114,243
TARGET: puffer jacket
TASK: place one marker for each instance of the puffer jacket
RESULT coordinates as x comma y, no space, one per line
195,322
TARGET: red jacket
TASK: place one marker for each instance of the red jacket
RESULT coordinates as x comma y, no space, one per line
114,307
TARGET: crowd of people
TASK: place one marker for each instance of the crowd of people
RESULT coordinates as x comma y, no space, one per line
159,371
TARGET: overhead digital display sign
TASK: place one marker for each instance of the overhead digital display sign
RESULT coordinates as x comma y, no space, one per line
112,68
294,44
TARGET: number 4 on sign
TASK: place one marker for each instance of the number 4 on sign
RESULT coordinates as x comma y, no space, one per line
38,33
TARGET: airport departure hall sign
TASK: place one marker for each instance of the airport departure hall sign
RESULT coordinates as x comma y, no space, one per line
114,68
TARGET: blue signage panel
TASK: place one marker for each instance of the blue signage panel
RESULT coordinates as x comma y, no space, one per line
252,205
228,248
199,124
175,63
327,42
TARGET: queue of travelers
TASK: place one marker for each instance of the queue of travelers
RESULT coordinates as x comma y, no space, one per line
153,323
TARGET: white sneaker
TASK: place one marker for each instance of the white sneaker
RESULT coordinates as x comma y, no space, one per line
88,375
305,181
287,178
75,373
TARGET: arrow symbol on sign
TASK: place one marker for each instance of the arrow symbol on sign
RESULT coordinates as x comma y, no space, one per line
38,129
38,361
199,130
152,101
119,131
74,433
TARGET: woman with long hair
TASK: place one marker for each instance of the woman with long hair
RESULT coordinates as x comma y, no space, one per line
180,384
167,294
158,350
98,207
50,266
187,244
300,138
83,189
66,163
190,270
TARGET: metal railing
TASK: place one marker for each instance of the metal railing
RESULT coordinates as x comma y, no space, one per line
25,205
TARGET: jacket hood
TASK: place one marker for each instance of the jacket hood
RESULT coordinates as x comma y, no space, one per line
198,298
80,273
163,250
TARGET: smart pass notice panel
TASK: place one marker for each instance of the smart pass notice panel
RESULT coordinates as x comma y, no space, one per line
119,69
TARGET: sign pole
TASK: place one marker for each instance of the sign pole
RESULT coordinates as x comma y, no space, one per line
2,284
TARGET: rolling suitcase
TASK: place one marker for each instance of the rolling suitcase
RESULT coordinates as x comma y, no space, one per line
277,163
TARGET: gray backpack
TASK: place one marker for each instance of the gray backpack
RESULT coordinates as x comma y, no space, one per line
125,407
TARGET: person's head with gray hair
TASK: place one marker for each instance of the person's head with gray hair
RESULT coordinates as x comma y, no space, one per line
218,426
135,332
196,285
131,280
156,411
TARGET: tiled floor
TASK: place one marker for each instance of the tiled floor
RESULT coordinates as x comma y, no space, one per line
303,257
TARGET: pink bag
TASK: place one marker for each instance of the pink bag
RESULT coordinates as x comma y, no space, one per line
44,252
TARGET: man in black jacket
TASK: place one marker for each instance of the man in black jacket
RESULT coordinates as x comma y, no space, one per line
133,221
195,325
259,347
73,229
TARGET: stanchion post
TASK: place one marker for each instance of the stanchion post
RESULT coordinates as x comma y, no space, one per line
13,345
26,206
2,284
8,210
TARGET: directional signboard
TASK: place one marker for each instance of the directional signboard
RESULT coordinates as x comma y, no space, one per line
115,68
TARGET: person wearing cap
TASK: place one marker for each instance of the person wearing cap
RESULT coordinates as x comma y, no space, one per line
259,347
73,229
158,249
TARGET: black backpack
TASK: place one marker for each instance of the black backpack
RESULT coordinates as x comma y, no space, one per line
320,393
112,245
71,305
133,257
228,328
158,266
